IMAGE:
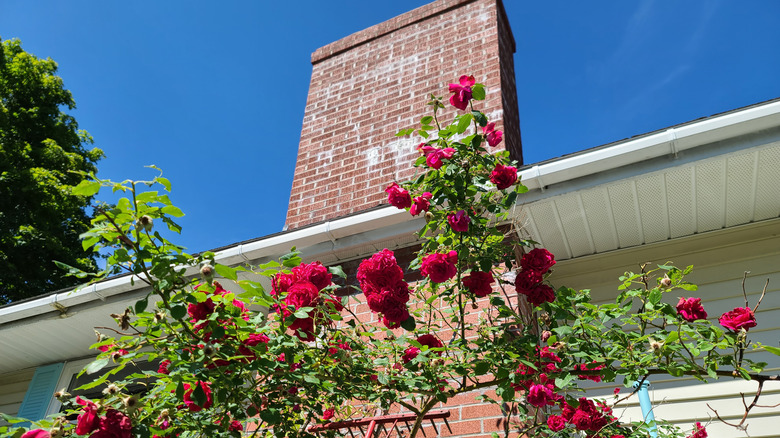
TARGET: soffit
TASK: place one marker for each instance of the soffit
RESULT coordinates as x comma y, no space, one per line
676,201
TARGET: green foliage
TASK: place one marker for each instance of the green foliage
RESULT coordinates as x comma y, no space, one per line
43,158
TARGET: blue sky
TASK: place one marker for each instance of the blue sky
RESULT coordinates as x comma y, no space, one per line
214,92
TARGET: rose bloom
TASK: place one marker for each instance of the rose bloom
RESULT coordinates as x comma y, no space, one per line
163,368
462,92
492,136
398,197
503,176
540,395
421,204
459,221
690,309
434,156
191,405
430,341
538,259
114,425
37,433
739,318
328,414
315,273
699,431
440,267
379,271
88,421
527,280
410,353
556,423
479,283
542,293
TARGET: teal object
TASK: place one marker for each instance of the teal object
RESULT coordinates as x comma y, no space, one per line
647,407
40,392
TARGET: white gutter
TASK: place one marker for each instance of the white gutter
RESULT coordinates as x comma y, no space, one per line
274,246
385,223
671,141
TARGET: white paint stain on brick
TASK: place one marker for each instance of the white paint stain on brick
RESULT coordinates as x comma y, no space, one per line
372,155
325,157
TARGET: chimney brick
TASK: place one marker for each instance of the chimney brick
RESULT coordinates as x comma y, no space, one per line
371,84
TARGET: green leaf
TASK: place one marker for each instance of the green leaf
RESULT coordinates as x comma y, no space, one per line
86,188
409,324
180,390
140,305
773,350
165,183
482,368
478,92
199,395
337,271
480,118
226,271
463,123
97,365
426,120
178,311
172,210
311,379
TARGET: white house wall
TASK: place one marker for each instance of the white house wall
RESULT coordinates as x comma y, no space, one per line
13,386
720,259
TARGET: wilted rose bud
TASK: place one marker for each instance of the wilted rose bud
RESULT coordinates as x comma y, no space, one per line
111,389
665,282
656,346
159,316
131,403
61,394
546,335
207,271
428,216
144,222
544,318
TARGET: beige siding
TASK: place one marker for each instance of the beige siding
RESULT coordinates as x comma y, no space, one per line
720,259
13,386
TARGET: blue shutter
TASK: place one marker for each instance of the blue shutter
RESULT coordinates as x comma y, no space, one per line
40,392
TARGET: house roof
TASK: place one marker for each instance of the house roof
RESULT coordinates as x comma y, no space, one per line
700,176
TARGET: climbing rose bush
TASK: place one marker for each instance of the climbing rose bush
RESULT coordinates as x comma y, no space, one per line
484,314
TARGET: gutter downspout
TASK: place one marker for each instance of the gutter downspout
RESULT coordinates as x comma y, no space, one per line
647,407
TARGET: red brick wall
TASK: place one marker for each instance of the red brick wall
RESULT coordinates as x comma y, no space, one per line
367,86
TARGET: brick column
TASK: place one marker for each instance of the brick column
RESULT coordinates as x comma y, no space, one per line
367,86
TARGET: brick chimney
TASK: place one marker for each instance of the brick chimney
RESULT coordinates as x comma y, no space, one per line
369,85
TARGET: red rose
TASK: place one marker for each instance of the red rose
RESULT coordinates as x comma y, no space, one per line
410,353
202,310
556,423
539,260
434,156
462,92
88,421
114,425
315,273
328,414
398,197
302,294
421,204
236,426
739,318
379,271
699,431
440,267
163,368
459,221
527,280
492,136
430,341
540,395
191,405
37,433
479,283
503,176
690,309
542,293
282,282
